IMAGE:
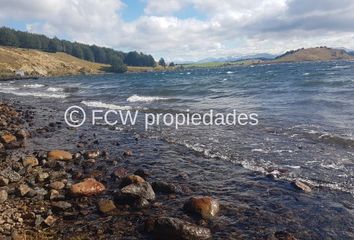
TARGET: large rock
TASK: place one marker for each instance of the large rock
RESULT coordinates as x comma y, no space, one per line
164,187
139,190
301,186
60,155
88,187
206,207
177,229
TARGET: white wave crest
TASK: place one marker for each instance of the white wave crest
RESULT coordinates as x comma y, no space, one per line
55,89
105,105
36,85
137,98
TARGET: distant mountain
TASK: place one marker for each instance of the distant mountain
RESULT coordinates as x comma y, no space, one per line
314,54
261,56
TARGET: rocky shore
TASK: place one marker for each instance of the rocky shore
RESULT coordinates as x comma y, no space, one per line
43,194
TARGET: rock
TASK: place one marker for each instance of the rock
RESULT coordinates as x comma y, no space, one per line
10,174
42,176
30,161
3,181
23,189
60,155
206,207
57,185
177,229
139,190
50,220
106,205
131,179
120,173
301,186
55,195
7,138
92,154
142,173
2,147
61,205
128,153
22,134
167,188
38,220
140,203
3,196
87,187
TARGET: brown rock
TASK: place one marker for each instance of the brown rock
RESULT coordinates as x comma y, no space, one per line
88,187
50,220
3,181
301,186
3,196
57,185
24,189
60,155
106,205
92,154
206,207
131,179
120,173
22,134
30,161
7,138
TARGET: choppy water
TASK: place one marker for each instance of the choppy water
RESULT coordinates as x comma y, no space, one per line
305,130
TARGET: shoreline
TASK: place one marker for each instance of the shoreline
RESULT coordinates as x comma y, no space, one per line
111,161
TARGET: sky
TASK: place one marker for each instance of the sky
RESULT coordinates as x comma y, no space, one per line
188,30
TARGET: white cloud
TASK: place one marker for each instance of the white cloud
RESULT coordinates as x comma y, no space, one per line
229,27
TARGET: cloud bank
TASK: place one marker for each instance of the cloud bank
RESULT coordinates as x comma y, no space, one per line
217,28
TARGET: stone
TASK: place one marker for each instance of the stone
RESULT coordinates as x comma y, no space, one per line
120,173
88,187
167,188
131,179
128,153
301,186
92,154
22,134
30,161
3,196
60,155
42,176
24,189
106,205
61,205
177,229
3,181
55,195
7,138
57,185
38,220
206,207
10,174
50,220
139,190
2,147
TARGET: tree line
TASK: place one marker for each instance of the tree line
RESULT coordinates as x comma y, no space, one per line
117,59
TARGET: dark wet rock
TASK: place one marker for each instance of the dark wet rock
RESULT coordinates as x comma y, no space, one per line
140,203
3,181
50,220
139,190
131,179
23,189
22,134
61,205
30,161
106,205
120,173
142,173
57,185
3,196
177,229
88,187
92,154
164,187
301,186
206,207
128,153
60,155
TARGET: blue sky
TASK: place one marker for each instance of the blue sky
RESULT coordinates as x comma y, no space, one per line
188,30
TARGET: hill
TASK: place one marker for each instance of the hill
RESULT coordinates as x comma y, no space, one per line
314,54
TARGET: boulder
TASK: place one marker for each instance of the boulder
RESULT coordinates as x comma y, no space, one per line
177,229
206,207
301,186
88,187
106,205
164,187
139,190
131,179
60,155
